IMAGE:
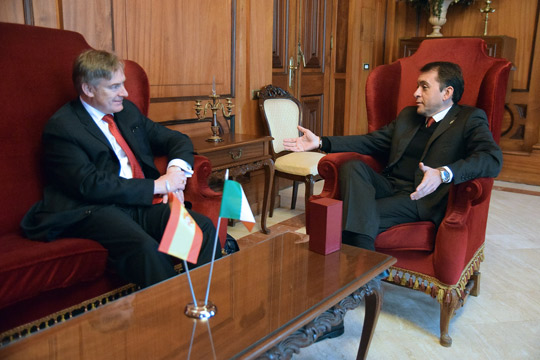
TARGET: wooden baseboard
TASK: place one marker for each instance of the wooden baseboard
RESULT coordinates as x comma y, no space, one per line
521,167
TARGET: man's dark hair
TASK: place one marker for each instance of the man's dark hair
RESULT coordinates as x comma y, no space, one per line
449,74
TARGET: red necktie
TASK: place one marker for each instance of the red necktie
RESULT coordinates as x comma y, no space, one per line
430,122
135,167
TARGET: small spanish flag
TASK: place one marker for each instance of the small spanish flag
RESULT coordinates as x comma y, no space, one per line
234,204
182,237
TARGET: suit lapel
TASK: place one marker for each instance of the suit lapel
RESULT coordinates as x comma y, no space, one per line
89,124
127,128
122,121
443,126
404,140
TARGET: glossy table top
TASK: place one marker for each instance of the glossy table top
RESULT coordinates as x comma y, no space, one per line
262,294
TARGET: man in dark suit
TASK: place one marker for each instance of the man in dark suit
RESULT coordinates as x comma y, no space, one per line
102,183
428,147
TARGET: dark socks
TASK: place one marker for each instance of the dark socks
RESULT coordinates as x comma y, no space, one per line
358,240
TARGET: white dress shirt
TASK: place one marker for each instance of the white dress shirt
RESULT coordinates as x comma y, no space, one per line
438,117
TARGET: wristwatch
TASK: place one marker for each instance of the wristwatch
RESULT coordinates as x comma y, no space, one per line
445,175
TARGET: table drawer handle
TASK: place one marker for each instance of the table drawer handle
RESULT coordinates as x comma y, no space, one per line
237,156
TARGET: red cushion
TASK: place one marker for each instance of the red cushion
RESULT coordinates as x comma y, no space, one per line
46,266
409,236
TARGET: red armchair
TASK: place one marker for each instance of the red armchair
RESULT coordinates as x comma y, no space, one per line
445,262
39,279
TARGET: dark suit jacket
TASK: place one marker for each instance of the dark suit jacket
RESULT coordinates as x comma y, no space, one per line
462,141
82,169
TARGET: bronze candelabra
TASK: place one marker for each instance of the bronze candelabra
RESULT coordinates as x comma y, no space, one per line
487,10
213,105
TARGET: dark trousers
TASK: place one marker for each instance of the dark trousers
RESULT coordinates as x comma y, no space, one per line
132,235
372,203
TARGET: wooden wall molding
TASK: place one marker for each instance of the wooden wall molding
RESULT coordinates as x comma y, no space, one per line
279,39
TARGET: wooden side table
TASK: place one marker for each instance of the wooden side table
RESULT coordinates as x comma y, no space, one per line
241,154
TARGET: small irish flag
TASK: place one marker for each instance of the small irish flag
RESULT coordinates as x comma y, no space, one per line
182,237
234,204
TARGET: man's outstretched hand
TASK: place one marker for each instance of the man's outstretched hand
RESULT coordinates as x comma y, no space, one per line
308,141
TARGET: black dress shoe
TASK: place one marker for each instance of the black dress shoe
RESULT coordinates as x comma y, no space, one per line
334,332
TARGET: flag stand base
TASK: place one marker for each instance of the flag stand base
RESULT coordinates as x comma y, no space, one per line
200,312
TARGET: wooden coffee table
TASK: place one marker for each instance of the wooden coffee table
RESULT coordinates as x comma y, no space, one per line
264,294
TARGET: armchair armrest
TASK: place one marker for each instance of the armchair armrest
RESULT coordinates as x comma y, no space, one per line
329,170
197,188
463,229
198,192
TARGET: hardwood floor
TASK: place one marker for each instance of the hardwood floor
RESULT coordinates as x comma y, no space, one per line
502,323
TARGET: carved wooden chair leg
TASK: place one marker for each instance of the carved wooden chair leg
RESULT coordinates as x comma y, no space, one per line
269,194
448,310
294,194
309,185
273,198
373,303
475,291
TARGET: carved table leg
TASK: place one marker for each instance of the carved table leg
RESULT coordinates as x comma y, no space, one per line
371,293
373,299
268,183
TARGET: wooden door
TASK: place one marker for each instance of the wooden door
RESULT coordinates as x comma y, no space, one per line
301,56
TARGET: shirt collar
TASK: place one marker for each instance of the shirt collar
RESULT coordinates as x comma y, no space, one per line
441,114
94,113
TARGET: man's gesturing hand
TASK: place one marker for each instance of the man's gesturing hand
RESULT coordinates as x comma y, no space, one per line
430,182
308,141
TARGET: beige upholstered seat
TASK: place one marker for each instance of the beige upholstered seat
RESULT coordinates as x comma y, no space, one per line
282,114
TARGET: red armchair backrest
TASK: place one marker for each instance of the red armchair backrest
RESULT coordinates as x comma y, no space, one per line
390,88
137,85
36,81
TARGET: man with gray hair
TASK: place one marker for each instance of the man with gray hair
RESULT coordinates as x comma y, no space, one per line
101,181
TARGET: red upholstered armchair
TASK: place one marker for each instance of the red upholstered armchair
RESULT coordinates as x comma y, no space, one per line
443,263
38,279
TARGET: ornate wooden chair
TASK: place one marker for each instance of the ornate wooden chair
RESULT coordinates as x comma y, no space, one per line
443,262
282,113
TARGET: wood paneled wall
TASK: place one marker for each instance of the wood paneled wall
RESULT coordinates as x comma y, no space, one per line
362,46
182,44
